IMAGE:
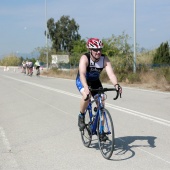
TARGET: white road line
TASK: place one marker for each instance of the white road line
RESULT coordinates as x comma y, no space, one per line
139,114
12,163
145,90
52,106
157,157
5,140
132,112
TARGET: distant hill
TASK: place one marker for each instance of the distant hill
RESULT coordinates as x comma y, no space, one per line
24,55
29,55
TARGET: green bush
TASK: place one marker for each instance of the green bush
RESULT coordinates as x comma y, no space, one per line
162,55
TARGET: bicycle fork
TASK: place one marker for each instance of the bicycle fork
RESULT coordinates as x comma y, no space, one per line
103,122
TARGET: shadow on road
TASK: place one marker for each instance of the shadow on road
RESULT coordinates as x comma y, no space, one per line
124,146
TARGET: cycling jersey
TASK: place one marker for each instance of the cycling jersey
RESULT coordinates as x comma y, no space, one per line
37,63
30,64
93,71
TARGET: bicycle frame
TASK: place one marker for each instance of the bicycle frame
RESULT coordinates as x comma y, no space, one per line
94,119
99,124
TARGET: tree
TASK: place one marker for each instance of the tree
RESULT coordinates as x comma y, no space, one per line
10,60
162,55
42,54
119,51
114,47
79,47
117,46
63,33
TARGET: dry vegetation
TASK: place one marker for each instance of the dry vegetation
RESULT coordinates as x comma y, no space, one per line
154,79
70,74
148,80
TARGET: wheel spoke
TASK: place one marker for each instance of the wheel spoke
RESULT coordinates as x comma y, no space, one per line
106,146
86,136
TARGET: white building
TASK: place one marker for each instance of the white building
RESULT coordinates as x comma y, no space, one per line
58,59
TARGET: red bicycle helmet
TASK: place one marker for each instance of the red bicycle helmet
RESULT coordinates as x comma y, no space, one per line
94,43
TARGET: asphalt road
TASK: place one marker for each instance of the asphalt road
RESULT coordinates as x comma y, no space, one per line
38,127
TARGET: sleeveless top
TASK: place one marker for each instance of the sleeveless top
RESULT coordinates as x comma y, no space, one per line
94,69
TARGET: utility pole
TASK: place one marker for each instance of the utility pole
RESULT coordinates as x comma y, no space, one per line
46,33
134,55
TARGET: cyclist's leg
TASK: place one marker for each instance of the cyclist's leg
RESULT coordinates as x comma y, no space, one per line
102,134
31,71
83,105
28,70
24,70
38,70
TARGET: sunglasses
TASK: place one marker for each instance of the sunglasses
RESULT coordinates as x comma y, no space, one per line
96,50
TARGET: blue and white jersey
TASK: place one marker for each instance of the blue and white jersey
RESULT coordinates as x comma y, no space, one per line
94,68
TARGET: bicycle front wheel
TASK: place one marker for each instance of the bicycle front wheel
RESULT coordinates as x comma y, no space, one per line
107,145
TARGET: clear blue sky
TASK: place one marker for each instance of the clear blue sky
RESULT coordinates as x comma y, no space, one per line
22,22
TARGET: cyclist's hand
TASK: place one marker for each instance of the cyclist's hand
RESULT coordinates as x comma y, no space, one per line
119,88
87,92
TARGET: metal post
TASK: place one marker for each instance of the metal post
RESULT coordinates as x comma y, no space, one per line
46,32
134,56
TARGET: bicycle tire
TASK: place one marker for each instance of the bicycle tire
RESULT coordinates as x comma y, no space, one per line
38,72
107,147
86,135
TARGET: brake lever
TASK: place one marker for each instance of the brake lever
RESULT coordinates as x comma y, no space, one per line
117,95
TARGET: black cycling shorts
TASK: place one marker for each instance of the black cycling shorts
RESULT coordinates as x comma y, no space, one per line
94,85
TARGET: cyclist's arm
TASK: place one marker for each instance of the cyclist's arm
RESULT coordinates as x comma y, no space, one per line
110,71
82,71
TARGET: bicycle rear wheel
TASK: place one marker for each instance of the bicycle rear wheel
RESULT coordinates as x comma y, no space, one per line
38,72
86,135
106,147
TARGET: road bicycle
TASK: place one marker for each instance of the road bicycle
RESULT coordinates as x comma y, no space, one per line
29,71
38,70
95,118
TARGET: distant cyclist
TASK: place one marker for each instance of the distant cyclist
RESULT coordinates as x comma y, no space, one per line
37,67
30,68
27,68
91,65
24,67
